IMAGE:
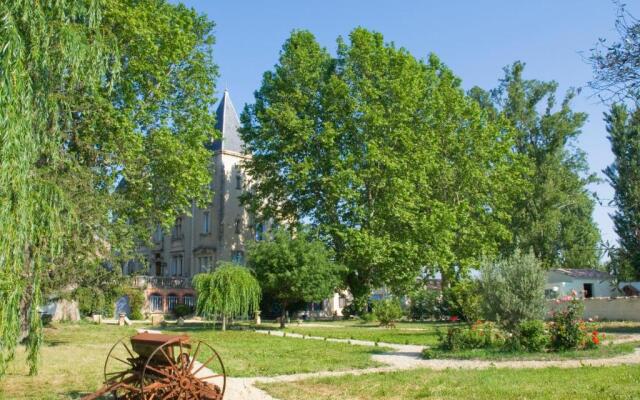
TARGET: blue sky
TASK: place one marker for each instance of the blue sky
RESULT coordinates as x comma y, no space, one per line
475,38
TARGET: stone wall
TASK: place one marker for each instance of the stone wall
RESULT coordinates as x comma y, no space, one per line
607,308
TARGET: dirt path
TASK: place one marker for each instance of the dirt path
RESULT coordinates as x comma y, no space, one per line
405,357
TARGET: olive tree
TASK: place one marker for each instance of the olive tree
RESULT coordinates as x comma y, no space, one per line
513,289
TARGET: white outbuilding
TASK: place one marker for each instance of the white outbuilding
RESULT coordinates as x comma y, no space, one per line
586,283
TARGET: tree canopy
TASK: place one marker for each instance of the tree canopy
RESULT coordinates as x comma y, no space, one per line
94,96
385,154
229,291
554,217
294,268
623,174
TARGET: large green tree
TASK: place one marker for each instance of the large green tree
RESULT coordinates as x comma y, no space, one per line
294,268
385,153
624,176
93,96
554,218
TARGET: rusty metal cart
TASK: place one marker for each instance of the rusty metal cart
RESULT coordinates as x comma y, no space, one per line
162,367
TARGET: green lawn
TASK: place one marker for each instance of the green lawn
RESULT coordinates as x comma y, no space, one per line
424,333
586,383
73,356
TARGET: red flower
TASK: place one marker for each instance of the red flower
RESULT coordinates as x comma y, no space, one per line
594,338
454,318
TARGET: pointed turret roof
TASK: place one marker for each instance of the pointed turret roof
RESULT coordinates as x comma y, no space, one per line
228,123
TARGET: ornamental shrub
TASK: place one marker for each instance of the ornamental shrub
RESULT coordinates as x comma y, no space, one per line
387,312
463,300
426,304
513,290
182,310
530,336
90,300
567,330
480,335
136,302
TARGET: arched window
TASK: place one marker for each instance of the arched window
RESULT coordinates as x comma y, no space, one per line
172,300
155,302
188,300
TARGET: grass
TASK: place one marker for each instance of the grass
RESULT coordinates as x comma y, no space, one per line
619,327
73,356
423,333
604,351
585,383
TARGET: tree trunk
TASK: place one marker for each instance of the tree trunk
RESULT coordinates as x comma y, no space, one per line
224,322
25,310
27,296
283,317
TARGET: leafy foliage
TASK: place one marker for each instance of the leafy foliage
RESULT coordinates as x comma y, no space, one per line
531,336
182,310
567,328
385,154
229,291
624,176
387,311
426,304
479,335
554,218
96,96
513,289
136,302
463,300
294,267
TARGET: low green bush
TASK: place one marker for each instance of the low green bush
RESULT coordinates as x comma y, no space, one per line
481,335
136,302
530,336
90,300
427,304
387,312
182,310
463,300
367,317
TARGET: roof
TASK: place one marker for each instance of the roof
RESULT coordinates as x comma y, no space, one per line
228,123
583,273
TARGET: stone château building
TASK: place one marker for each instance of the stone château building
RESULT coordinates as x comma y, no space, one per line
216,233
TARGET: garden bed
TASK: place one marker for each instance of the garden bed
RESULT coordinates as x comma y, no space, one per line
495,354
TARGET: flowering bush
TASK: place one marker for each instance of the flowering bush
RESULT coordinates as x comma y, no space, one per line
568,330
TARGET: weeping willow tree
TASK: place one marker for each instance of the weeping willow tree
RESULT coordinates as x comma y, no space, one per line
229,291
94,95
48,49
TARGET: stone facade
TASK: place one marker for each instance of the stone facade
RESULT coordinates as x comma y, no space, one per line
216,233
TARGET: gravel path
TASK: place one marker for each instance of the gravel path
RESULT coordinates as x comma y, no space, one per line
404,357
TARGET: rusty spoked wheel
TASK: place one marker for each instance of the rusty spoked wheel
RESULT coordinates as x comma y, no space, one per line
122,371
175,371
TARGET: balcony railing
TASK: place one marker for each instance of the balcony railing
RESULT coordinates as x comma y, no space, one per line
161,282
